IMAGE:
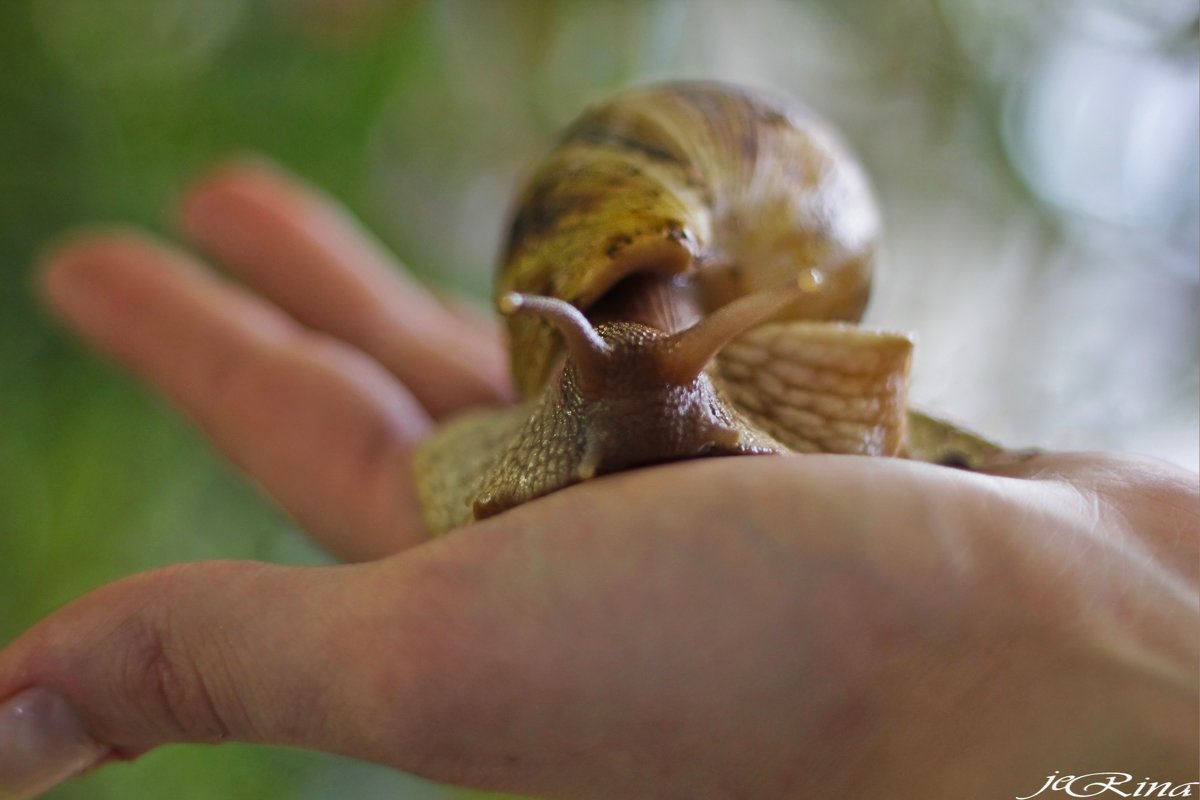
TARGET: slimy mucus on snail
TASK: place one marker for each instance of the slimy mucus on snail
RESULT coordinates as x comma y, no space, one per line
682,278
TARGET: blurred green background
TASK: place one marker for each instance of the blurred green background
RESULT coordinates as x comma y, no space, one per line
1036,163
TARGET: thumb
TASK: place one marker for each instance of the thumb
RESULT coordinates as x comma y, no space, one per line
319,658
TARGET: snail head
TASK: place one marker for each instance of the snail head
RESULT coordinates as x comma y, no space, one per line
628,394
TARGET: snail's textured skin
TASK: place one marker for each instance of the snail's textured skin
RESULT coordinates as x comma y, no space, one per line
673,217
639,418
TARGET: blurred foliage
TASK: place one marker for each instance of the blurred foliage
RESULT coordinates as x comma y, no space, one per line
420,116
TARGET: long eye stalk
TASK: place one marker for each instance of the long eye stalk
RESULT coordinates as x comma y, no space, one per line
589,351
690,350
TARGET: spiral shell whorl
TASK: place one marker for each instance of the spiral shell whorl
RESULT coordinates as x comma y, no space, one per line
736,191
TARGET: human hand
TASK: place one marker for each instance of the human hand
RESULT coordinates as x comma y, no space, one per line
720,628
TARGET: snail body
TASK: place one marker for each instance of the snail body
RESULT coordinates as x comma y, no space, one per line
681,279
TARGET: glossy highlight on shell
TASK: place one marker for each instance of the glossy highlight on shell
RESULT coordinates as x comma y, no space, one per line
681,279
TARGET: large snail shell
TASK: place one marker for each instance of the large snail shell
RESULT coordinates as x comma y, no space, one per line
663,228
735,190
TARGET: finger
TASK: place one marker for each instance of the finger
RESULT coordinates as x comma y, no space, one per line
319,425
303,252
214,652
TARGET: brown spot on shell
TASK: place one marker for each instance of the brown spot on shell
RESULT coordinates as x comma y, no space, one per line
610,128
617,243
542,208
631,143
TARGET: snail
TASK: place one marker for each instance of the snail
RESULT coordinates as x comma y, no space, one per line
682,278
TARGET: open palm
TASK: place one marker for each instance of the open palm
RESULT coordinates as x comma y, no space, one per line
770,627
